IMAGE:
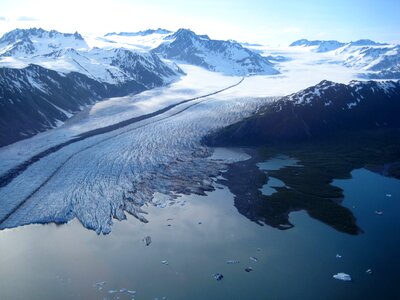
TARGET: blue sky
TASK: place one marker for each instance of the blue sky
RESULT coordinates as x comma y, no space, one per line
272,22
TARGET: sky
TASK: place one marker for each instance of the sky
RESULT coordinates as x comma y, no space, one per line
273,22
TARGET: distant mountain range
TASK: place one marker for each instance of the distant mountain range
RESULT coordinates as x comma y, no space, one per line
36,41
325,46
376,60
320,46
141,33
382,62
47,76
185,46
71,53
324,109
228,57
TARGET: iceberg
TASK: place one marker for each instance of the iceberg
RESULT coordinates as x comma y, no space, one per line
342,276
255,259
147,240
218,276
232,261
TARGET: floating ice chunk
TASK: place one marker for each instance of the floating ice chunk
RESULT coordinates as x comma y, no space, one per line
147,240
379,212
99,285
369,271
125,290
388,195
164,262
218,276
253,258
131,292
285,226
342,276
338,256
232,261
248,269
112,291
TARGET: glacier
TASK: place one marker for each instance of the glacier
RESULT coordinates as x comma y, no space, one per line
105,176
101,178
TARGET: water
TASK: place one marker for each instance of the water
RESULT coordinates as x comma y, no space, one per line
275,163
278,162
63,262
269,188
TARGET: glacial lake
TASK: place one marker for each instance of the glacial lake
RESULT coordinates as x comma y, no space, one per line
65,262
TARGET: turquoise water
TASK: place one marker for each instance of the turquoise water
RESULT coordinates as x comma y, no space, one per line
64,262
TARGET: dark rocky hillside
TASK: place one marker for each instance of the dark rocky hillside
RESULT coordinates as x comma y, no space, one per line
318,111
34,99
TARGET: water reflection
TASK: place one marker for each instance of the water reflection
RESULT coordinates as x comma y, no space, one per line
64,262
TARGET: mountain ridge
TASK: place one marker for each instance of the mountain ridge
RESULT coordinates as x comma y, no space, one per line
140,33
227,57
317,111
34,99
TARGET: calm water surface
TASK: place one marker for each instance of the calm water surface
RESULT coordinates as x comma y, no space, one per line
64,262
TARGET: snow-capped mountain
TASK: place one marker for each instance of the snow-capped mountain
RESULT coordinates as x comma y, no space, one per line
141,33
34,99
379,61
326,46
128,62
373,59
329,45
37,41
227,57
141,40
317,111
318,46
47,76
366,42
114,66
70,53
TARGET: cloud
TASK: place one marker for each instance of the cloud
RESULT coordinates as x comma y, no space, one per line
25,18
